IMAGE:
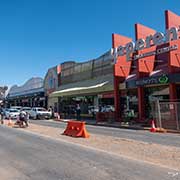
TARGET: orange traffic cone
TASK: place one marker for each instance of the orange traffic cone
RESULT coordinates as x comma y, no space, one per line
153,128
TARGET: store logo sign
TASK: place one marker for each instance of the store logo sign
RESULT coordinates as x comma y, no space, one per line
152,40
163,79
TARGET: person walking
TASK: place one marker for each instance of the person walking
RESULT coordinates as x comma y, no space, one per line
52,111
2,115
78,112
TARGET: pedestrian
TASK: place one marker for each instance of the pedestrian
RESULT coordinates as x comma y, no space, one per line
65,112
52,111
78,112
2,115
23,117
27,116
100,108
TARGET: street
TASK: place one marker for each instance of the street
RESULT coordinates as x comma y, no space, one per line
139,135
26,156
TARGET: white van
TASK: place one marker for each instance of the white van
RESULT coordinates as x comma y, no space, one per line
40,113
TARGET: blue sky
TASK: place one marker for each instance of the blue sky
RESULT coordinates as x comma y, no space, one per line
38,34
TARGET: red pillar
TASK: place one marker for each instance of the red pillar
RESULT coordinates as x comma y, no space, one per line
117,99
172,92
120,73
172,123
141,104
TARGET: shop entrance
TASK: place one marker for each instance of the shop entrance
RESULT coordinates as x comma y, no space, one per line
129,105
67,106
152,95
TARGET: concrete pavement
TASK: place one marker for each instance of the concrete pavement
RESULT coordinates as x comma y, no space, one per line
26,156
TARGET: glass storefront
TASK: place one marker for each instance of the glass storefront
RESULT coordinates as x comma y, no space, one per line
152,94
67,105
129,104
129,101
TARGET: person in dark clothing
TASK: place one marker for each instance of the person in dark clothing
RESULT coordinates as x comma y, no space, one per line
52,111
65,112
2,115
23,118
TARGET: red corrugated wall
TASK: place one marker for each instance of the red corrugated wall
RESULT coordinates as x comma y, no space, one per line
122,67
145,65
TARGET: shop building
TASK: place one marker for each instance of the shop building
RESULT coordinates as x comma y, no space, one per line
150,68
88,83
3,90
52,81
31,94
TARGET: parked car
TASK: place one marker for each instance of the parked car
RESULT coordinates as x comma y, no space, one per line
93,110
12,113
16,107
40,113
26,109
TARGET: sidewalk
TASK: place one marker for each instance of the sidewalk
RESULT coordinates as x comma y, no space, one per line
122,125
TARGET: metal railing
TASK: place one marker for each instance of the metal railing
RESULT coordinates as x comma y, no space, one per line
166,114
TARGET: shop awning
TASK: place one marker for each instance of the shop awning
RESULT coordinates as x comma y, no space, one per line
131,77
156,72
94,86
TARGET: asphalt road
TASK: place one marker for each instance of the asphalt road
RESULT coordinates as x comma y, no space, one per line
28,156
139,135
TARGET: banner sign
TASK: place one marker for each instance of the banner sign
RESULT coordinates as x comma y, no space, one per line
152,40
163,79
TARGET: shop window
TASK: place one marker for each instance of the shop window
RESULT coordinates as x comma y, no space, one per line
51,83
129,104
152,94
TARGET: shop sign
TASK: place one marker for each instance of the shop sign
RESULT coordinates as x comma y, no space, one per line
153,80
163,79
108,95
152,40
156,52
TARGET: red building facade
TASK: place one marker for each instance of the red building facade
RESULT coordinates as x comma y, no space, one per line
150,68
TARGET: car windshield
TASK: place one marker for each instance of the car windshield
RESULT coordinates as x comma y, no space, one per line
16,107
27,108
13,110
41,109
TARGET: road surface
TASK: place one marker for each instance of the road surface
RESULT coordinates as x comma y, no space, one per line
139,135
28,156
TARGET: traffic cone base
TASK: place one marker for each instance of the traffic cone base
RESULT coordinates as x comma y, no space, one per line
153,128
